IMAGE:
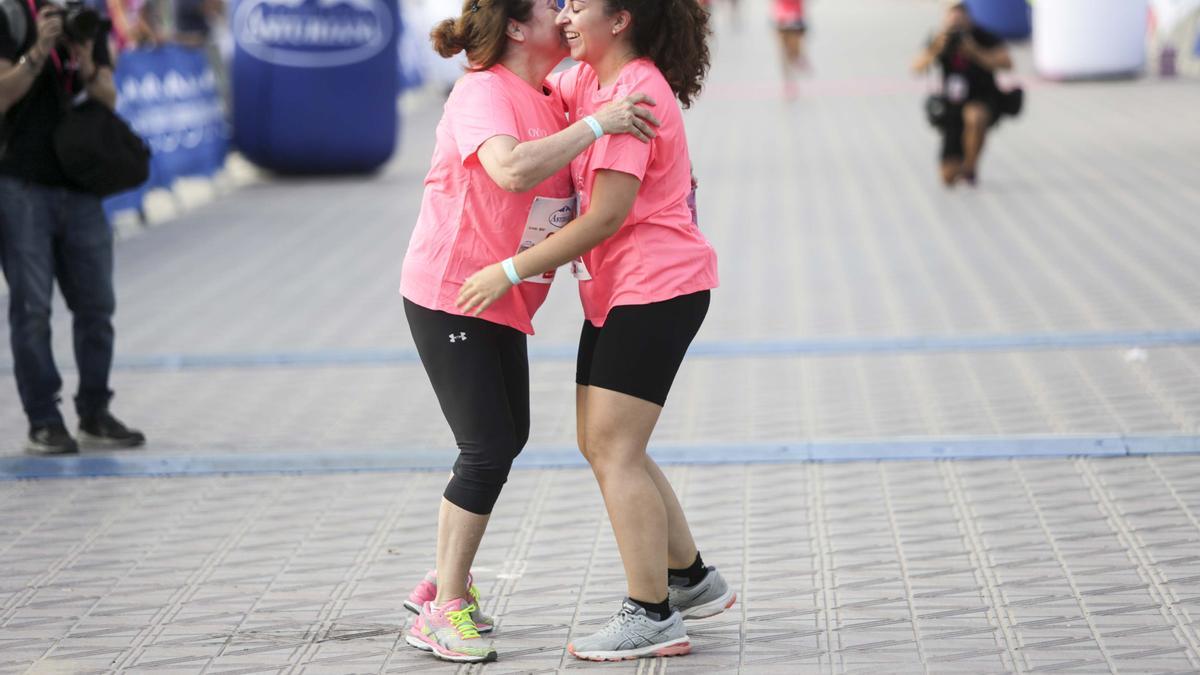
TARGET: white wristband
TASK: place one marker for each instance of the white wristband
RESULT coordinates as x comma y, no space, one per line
596,128
510,270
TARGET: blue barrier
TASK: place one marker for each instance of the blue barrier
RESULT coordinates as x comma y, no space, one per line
169,96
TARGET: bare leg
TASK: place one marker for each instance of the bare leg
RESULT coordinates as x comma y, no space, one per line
790,48
459,534
800,58
950,171
976,119
681,547
581,399
616,428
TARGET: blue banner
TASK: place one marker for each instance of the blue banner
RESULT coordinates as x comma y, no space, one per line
169,96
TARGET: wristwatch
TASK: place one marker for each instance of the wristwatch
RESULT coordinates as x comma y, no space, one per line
35,66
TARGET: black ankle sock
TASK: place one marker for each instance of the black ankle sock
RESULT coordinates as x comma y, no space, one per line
656,611
689,576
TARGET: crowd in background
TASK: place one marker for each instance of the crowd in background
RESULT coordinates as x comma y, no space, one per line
149,23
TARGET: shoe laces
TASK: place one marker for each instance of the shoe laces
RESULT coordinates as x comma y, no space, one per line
617,622
463,623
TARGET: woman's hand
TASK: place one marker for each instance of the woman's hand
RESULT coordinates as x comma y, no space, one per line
482,289
630,115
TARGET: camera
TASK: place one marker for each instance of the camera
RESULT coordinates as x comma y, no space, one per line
954,40
81,23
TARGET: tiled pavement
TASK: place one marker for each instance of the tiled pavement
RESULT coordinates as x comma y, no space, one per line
1087,565
859,303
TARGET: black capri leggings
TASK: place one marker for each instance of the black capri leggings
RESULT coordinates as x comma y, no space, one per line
480,373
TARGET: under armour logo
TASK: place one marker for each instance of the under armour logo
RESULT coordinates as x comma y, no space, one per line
458,337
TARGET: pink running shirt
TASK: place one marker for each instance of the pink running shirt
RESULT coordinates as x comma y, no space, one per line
658,253
788,11
467,222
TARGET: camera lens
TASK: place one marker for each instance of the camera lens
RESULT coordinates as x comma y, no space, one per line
81,24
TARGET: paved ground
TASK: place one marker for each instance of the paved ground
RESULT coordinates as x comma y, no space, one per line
1085,565
864,312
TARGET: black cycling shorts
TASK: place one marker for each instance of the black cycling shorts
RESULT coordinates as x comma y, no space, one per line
640,347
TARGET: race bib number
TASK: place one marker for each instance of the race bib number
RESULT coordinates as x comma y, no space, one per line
579,270
547,216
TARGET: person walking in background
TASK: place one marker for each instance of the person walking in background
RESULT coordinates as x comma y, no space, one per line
646,275
969,57
199,24
788,16
498,175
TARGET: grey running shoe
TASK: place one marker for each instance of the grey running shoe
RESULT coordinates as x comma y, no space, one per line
709,597
630,634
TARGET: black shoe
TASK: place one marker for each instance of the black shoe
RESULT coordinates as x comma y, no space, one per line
103,431
50,439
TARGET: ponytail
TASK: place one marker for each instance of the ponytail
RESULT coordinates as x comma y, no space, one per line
481,30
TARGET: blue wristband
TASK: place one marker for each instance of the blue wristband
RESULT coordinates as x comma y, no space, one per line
510,270
596,128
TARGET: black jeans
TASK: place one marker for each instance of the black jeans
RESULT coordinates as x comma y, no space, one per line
46,234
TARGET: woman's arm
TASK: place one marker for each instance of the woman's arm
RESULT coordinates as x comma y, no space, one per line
613,195
518,167
927,56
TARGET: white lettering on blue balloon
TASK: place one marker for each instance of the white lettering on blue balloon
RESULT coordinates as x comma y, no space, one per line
312,33
173,110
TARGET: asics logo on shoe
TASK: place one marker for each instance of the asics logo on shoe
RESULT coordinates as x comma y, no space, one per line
458,337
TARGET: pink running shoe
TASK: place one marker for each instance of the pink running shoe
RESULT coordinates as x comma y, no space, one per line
426,591
449,633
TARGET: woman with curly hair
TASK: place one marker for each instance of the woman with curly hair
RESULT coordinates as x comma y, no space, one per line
646,273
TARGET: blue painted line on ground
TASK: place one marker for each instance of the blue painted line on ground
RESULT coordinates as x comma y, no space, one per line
718,349
140,463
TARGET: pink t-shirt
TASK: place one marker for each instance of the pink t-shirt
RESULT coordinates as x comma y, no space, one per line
658,253
788,11
467,222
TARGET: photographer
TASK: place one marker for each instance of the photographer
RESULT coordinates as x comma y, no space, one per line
50,57
969,57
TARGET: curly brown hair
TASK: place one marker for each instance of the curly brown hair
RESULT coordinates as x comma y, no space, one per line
674,35
481,30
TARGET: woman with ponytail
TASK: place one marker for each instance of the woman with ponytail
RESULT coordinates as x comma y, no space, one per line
647,274
498,181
